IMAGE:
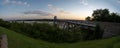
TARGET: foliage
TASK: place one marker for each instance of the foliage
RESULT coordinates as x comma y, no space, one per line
100,15
88,18
4,23
98,32
104,15
48,32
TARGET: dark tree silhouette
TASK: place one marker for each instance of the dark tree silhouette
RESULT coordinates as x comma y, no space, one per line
88,18
104,15
100,15
114,17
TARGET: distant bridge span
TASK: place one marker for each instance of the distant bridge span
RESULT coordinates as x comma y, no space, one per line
81,22
67,23
109,28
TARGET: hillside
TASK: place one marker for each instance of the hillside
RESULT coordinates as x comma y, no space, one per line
16,40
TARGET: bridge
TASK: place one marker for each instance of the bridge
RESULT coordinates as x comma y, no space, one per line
109,28
66,24
73,25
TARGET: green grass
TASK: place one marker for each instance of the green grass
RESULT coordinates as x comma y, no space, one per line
16,40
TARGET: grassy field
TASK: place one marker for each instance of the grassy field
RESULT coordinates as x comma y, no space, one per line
16,40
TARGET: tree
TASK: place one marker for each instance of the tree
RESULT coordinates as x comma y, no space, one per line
98,32
114,17
104,15
4,23
88,18
100,15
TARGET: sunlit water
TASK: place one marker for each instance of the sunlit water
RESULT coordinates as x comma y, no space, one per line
31,22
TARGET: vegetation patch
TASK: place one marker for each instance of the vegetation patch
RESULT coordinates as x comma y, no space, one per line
50,33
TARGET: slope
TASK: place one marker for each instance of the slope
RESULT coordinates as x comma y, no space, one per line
16,40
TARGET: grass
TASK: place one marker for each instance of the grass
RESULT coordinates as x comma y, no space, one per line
16,40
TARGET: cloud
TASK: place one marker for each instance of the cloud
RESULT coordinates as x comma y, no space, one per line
54,8
118,1
62,14
16,2
57,10
6,1
38,12
83,2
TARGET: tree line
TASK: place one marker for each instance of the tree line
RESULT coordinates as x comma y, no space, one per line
104,15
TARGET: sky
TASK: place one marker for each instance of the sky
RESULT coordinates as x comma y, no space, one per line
47,9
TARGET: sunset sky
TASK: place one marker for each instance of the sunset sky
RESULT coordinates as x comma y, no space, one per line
47,9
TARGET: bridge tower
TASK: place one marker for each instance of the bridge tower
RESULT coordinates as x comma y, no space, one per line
55,21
